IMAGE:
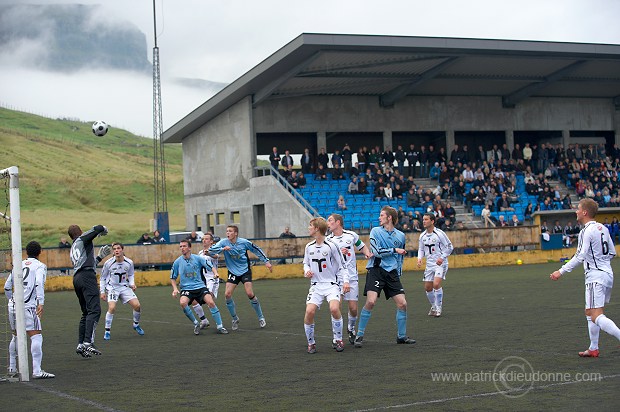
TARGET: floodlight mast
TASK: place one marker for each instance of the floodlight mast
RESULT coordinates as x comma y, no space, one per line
159,164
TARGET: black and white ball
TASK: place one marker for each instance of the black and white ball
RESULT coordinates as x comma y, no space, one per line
100,128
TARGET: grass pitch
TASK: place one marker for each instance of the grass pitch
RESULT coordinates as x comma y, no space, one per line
511,319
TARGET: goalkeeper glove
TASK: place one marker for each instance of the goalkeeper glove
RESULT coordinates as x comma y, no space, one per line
103,252
103,232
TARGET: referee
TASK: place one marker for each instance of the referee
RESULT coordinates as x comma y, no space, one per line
85,283
387,245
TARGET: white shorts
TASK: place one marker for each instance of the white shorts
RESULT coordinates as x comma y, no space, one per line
124,294
213,285
321,291
353,293
32,320
435,272
597,295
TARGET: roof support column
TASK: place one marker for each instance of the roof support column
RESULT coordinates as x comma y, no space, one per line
450,142
617,127
510,139
387,140
321,142
566,138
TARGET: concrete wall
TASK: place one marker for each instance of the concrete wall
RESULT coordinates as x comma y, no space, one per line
281,209
218,162
217,158
221,154
342,113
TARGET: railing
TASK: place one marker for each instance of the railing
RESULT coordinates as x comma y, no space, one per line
296,195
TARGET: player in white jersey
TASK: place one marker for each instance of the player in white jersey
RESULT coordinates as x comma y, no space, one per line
324,265
211,278
117,283
34,273
436,247
595,249
347,242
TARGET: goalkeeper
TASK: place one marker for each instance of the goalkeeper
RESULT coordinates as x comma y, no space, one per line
85,284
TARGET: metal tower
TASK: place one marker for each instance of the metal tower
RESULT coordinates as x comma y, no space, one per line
159,164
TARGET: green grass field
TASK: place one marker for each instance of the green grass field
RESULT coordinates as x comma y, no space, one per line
493,317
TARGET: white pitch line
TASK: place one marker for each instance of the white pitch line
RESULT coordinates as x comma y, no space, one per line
476,395
72,397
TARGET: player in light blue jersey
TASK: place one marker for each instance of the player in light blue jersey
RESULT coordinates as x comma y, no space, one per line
188,268
387,245
235,250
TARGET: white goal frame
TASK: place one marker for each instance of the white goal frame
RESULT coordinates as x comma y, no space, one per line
12,173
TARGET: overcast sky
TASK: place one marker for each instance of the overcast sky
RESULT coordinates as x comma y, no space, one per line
219,41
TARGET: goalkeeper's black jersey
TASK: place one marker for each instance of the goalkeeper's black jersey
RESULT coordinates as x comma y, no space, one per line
83,251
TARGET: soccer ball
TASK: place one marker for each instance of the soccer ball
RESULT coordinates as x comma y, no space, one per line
519,262
100,128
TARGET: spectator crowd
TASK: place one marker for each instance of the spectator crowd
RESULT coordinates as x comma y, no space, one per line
486,177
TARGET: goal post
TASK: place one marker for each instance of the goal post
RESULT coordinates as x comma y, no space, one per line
14,220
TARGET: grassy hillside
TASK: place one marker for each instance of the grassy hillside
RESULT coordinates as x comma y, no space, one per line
68,175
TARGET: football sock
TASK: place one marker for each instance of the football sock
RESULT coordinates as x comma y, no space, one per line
256,305
36,348
364,318
215,312
190,315
401,322
136,318
92,338
337,328
608,326
351,322
13,353
309,333
199,311
230,304
438,297
109,317
593,330
431,297
216,287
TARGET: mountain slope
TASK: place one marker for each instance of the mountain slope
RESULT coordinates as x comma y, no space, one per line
69,37
68,175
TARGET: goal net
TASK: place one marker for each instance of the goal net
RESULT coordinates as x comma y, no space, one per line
11,261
